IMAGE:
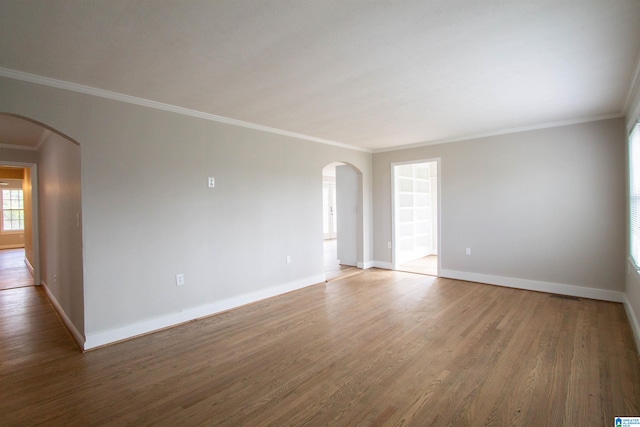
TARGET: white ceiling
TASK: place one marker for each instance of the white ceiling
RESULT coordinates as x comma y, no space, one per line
373,74
20,132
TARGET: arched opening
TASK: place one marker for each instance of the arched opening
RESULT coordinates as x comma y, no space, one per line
52,212
342,220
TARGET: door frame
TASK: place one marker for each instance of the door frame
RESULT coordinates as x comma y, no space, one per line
34,215
437,160
361,251
331,197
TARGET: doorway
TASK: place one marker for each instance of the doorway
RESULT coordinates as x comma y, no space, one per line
16,227
341,188
329,219
416,216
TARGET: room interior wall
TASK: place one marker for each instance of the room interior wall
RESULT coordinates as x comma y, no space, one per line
347,189
148,213
27,189
542,209
59,182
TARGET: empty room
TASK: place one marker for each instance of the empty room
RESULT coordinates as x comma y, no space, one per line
320,212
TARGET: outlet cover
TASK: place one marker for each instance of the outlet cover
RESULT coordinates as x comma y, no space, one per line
179,279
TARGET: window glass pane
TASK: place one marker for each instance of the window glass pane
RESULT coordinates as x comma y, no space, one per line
634,197
12,210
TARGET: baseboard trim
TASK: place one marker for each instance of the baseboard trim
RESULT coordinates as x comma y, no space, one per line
382,264
365,265
13,246
633,319
534,285
29,266
111,336
63,316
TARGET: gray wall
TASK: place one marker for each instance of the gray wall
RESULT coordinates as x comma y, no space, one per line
148,214
60,205
545,205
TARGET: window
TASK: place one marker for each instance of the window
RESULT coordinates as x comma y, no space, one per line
12,210
634,197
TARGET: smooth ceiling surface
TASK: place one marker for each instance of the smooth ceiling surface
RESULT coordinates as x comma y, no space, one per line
17,131
368,73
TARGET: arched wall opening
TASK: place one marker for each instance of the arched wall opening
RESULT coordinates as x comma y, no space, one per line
53,162
342,211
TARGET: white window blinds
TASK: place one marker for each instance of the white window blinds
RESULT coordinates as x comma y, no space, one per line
634,197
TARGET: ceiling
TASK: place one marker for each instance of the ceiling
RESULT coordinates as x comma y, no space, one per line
20,132
368,73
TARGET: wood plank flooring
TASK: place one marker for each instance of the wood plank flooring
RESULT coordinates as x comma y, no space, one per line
425,265
378,348
13,271
332,268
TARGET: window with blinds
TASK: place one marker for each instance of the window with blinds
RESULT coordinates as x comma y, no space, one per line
634,197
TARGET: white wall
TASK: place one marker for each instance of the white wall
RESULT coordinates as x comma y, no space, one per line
538,209
347,212
148,214
60,206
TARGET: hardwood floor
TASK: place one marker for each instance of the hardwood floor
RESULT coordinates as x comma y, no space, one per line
332,268
13,271
426,265
377,348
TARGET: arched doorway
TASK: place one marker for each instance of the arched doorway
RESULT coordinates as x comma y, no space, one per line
53,162
342,219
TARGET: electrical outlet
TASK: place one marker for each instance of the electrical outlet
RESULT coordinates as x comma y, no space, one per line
468,252
179,279
212,182
288,259
388,245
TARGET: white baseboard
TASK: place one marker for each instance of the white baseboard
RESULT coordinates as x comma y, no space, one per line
29,266
14,246
365,265
534,285
382,264
65,319
633,319
140,328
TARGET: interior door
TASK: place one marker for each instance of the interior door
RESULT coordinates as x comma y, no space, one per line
329,227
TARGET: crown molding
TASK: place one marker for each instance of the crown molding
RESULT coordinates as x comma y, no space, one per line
88,90
633,87
504,131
